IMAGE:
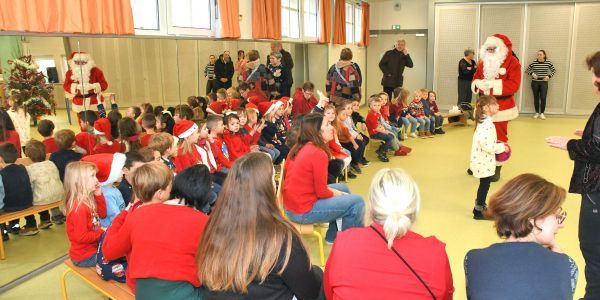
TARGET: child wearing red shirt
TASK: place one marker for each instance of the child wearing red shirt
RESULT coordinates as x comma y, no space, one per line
46,129
376,130
84,206
85,139
166,254
214,123
149,126
104,141
233,138
304,99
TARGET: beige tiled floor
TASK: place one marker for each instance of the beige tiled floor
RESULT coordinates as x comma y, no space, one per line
438,165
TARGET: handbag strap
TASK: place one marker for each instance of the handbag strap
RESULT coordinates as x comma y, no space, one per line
406,263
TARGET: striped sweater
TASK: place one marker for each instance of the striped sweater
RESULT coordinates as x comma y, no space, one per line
209,72
541,69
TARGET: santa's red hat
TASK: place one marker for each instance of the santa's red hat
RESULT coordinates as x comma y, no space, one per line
184,129
252,106
216,108
79,56
110,166
102,127
255,100
498,40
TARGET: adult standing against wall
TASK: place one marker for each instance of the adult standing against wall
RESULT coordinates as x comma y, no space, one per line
392,65
224,70
586,181
540,70
240,65
466,68
286,60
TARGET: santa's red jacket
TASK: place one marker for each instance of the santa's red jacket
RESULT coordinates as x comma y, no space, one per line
96,85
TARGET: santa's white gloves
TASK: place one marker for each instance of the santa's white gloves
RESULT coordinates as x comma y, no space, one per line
482,85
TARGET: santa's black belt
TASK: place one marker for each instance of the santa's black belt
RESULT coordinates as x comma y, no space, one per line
502,97
85,96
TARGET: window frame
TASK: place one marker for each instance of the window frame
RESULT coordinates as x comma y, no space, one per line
305,15
166,27
356,7
300,13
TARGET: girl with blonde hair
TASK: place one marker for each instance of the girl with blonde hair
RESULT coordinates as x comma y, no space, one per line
84,207
364,261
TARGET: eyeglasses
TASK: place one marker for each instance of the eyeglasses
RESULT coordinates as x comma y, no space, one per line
561,216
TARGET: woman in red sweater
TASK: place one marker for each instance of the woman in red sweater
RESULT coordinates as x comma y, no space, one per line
365,263
161,259
8,133
307,197
84,207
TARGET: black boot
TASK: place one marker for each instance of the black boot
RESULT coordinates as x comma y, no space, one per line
496,176
381,154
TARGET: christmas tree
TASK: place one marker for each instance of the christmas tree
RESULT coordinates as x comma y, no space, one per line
28,87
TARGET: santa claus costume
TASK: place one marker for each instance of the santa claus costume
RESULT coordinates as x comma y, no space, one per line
499,74
84,83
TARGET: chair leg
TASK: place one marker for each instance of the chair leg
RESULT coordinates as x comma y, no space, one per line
321,247
2,248
346,175
63,283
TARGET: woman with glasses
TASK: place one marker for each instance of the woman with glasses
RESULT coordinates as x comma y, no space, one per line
529,264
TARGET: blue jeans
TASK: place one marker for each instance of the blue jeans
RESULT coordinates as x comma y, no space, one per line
387,138
412,121
431,123
88,262
350,208
423,124
274,153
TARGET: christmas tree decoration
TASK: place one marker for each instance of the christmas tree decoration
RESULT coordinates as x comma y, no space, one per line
27,85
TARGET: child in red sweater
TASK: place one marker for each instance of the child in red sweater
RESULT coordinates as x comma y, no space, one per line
335,147
104,141
214,123
250,131
46,129
149,126
84,206
234,139
166,255
86,139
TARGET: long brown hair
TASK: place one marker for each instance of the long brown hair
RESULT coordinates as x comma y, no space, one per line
481,102
310,132
246,232
401,98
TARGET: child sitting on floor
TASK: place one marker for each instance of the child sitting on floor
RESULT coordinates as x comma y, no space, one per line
275,129
133,160
104,141
129,134
233,138
45,180
86,138
164,147
149,126
256,126
84,206
214,123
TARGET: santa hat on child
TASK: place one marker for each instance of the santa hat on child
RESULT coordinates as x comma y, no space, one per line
102,127
286,101
110,166
216,108
184,129
252,106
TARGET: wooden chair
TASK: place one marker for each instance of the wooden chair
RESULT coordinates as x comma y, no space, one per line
111,289
304,229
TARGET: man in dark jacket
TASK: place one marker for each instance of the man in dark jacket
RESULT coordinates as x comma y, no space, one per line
224,71
392,65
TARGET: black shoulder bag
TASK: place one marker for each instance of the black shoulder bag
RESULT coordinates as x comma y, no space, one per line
406,263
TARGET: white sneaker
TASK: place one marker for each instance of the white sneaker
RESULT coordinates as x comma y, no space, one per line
542,117
413,135
405,135
536,116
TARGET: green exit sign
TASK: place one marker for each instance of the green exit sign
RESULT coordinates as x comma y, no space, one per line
395,27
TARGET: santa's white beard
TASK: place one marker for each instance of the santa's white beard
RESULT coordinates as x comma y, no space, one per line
79,71
493,61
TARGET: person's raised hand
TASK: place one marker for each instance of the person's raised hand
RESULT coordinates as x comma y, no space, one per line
557,142
578,132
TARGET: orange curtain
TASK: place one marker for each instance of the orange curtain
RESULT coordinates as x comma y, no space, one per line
266,19
325,16
339,29
364,35
68,16
229,11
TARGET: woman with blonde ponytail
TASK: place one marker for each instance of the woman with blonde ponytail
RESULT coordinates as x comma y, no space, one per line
387,260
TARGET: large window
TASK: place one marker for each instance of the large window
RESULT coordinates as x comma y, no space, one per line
311,19
145,14
353,22
44,63
290,18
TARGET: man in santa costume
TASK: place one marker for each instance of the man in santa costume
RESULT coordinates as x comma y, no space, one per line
499,74
84,83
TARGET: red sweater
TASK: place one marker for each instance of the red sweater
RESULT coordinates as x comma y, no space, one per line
361,266
145,139
114,147
372,122
184,160
86,141
250,139
301,104
385,112
305,179
83,229
155,250
216,146
235,145
51,146
13,138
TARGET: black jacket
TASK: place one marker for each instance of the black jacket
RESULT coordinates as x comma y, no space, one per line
586,154
224,69
392,65
17,187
